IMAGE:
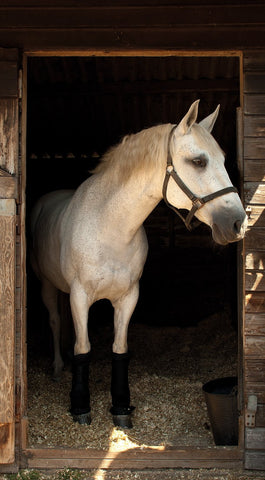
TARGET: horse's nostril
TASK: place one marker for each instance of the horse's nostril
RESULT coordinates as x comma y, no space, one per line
237,226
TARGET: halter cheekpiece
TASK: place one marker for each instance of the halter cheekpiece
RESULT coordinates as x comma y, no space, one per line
197,202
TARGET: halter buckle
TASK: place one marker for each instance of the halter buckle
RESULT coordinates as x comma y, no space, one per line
197,202
170,169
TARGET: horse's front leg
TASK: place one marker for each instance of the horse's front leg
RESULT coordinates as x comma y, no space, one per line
80,396
120,391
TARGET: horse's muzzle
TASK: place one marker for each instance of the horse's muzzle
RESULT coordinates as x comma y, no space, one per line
227,230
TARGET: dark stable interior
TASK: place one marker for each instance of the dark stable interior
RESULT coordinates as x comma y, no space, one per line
77,109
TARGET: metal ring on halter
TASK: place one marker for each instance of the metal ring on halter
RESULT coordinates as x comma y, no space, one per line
197,202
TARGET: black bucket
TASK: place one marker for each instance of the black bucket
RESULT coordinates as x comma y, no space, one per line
221,401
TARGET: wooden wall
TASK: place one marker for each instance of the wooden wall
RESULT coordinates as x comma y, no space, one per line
132,24
254,177
105,26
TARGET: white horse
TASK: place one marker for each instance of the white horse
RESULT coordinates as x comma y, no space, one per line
91,242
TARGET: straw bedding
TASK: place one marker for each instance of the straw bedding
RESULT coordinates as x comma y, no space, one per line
167,370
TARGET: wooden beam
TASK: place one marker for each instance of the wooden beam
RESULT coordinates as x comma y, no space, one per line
7,329
186,457
135,88
126,16
9,134
187,38
8,79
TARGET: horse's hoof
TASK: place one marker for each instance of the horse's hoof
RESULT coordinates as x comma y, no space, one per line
122,421
57,377
83,418
57,374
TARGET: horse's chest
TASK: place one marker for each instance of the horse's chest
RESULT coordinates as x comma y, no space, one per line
112,275
105,268
106,282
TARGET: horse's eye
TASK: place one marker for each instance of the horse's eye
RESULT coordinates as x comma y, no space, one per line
199,162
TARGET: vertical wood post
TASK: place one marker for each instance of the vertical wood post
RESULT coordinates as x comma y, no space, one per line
7,322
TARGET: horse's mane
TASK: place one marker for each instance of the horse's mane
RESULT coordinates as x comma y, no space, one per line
134,153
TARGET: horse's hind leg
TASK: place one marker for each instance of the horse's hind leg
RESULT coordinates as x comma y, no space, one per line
50,298
80,396
120,392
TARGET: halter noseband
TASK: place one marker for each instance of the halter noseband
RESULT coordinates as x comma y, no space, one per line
197,202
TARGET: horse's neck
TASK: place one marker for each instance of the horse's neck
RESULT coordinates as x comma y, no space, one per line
130,204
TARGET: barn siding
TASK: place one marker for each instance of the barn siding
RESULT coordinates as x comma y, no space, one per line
66,25
129,25
254,329
8,193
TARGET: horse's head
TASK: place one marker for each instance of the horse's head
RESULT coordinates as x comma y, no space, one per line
202,184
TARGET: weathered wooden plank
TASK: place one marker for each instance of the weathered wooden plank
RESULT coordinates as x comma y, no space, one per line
254,104
254,126
7,441
254,147
7,315
255,324
254,170
254,346
254,192
255,261
8,79
255,302
254,61
257,389
255,281
128,15
105,41
8,187
254,82
134,458
255,438
255,370
9,134
260,416
254,460
111,3
8,54
136,88
256,215
255,240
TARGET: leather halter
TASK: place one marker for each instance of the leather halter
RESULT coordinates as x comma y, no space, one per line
197,202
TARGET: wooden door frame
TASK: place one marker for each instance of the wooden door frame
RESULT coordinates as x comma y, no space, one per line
158,457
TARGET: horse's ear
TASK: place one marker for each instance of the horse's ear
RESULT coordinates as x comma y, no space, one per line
208,122
190,118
